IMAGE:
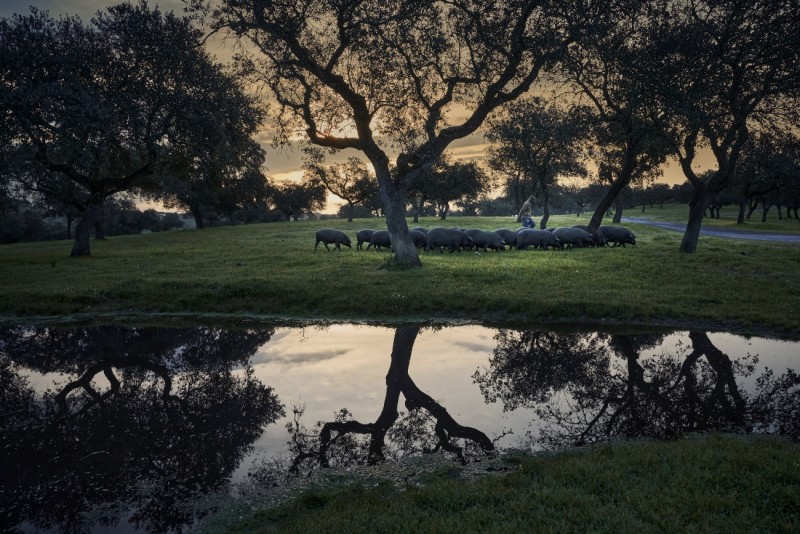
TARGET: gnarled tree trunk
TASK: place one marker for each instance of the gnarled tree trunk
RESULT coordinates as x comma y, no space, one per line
80,246
394,209
618,212
545,208
697,208
604,205
742,208
198,217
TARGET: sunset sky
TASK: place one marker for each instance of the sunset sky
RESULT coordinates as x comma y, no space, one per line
282,164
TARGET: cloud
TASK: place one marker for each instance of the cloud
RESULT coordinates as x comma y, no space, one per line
473,346
296,358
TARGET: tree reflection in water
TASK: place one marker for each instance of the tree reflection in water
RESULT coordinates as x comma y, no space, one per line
427,427
582,388
148,420
589,387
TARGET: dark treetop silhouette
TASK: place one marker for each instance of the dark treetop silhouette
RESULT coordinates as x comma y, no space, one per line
172,424
128,102
381,75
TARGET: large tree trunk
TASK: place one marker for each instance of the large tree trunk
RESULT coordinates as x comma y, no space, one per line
70,220
350,209
697,207
545,208
198,217
80,247
393,208
618,212
604,206
764,210
622,180
753,206
742,208
418,202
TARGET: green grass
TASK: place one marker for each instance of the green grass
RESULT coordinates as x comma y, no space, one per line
728,214
271,270
713,483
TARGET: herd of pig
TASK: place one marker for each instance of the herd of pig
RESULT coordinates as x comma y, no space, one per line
457,239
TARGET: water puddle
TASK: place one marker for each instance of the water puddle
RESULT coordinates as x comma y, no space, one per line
115,428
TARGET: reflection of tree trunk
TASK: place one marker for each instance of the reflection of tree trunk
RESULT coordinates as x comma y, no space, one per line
398,381
106,367
628,401
725,379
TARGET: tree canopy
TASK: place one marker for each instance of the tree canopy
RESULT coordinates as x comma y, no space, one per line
106,104
384,75
719,70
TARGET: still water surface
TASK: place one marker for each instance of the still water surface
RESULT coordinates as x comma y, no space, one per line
114,428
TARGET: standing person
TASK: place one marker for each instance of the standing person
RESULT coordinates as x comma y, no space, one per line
525,213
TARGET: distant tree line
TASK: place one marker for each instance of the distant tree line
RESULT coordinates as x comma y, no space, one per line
31,222
580,198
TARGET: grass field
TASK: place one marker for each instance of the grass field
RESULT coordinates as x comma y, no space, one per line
272,271
680,212
711,483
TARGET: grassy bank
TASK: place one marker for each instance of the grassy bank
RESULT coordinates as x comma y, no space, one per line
272,270
699,484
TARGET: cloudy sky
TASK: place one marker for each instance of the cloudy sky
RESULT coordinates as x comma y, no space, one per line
284,163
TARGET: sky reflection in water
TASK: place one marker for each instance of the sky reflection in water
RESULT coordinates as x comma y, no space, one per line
103,421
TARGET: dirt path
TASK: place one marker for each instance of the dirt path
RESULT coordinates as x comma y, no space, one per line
719,232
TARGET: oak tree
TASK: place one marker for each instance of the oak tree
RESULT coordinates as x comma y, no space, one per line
720,69
382,76
105,103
